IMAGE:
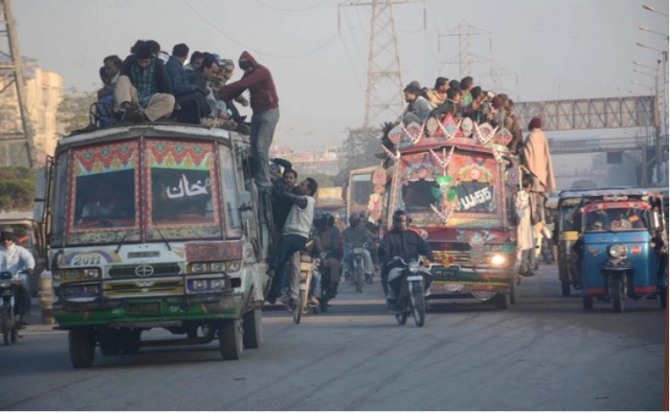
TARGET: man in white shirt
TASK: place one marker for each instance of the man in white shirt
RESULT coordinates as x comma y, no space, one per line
295,233
15,258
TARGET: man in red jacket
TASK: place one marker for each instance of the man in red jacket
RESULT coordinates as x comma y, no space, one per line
265,106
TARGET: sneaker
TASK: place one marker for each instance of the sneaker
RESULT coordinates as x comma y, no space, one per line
313,301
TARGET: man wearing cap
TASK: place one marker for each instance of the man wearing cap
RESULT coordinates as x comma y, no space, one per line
15,258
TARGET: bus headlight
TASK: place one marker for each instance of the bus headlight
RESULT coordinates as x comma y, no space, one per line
498,260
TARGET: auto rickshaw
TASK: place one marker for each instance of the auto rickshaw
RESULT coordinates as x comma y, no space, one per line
622,250
567,227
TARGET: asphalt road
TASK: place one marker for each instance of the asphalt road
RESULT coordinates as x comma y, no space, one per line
544,353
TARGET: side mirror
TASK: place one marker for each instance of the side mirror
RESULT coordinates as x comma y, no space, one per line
40,195
655,220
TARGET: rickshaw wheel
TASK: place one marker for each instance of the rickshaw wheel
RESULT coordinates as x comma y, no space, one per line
664,298
587,302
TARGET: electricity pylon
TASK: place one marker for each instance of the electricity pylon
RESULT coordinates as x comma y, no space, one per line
18,142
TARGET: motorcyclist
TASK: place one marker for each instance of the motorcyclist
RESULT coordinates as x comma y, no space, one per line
14,258
356,234
330,243
401,242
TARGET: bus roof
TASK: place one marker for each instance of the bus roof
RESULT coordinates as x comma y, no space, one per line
361,171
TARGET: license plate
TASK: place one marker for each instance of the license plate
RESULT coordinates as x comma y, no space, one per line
143,308
444,272
358,250
414,278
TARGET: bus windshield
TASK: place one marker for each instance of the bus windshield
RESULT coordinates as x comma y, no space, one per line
175,197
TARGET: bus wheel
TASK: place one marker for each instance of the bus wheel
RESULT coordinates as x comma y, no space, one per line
230,339
252,328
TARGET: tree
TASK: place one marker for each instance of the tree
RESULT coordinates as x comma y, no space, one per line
17,188
323,180
358,151
73,111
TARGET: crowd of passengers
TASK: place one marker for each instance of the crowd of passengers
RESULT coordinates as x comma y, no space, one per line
149,85
462,99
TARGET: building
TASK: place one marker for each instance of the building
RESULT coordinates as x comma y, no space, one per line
44,92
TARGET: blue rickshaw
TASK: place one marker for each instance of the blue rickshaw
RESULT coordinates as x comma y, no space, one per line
622,248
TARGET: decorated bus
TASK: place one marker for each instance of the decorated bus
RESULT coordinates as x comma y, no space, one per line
156,226
456,180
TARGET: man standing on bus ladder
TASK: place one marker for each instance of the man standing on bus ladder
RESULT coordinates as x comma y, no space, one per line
536,157
265,106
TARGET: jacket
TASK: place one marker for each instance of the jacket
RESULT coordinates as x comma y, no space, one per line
262,91
405,244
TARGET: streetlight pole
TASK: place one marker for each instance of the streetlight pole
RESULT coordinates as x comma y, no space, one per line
650,8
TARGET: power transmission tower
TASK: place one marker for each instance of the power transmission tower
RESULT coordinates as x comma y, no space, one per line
383,94
17,143
465,59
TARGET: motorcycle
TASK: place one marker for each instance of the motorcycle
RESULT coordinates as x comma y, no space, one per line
414,280
9,320
308,267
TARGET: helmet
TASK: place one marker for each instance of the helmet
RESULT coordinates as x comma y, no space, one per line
320,219
354,219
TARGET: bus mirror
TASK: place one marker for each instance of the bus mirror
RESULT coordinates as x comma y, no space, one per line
244,201
656,221
40,194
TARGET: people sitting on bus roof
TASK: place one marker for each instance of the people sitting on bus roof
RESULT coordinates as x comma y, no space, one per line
438,94
190,98
143,91
467,83
418,108
451,105
194,62
227,68
475,110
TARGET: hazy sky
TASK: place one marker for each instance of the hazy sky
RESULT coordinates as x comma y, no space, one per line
535,49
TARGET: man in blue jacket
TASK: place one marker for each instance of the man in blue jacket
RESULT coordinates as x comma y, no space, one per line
190,97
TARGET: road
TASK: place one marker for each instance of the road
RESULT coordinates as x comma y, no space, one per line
544,353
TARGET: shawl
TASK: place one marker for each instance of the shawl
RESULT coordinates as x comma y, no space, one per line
537,159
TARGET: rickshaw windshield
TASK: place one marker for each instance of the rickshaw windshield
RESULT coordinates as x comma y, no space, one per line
570,218
615,219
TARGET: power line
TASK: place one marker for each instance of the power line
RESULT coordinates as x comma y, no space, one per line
253,49
291,10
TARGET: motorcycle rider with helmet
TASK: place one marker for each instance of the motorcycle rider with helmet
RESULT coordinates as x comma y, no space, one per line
357,234
14,258
401,242
330,245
